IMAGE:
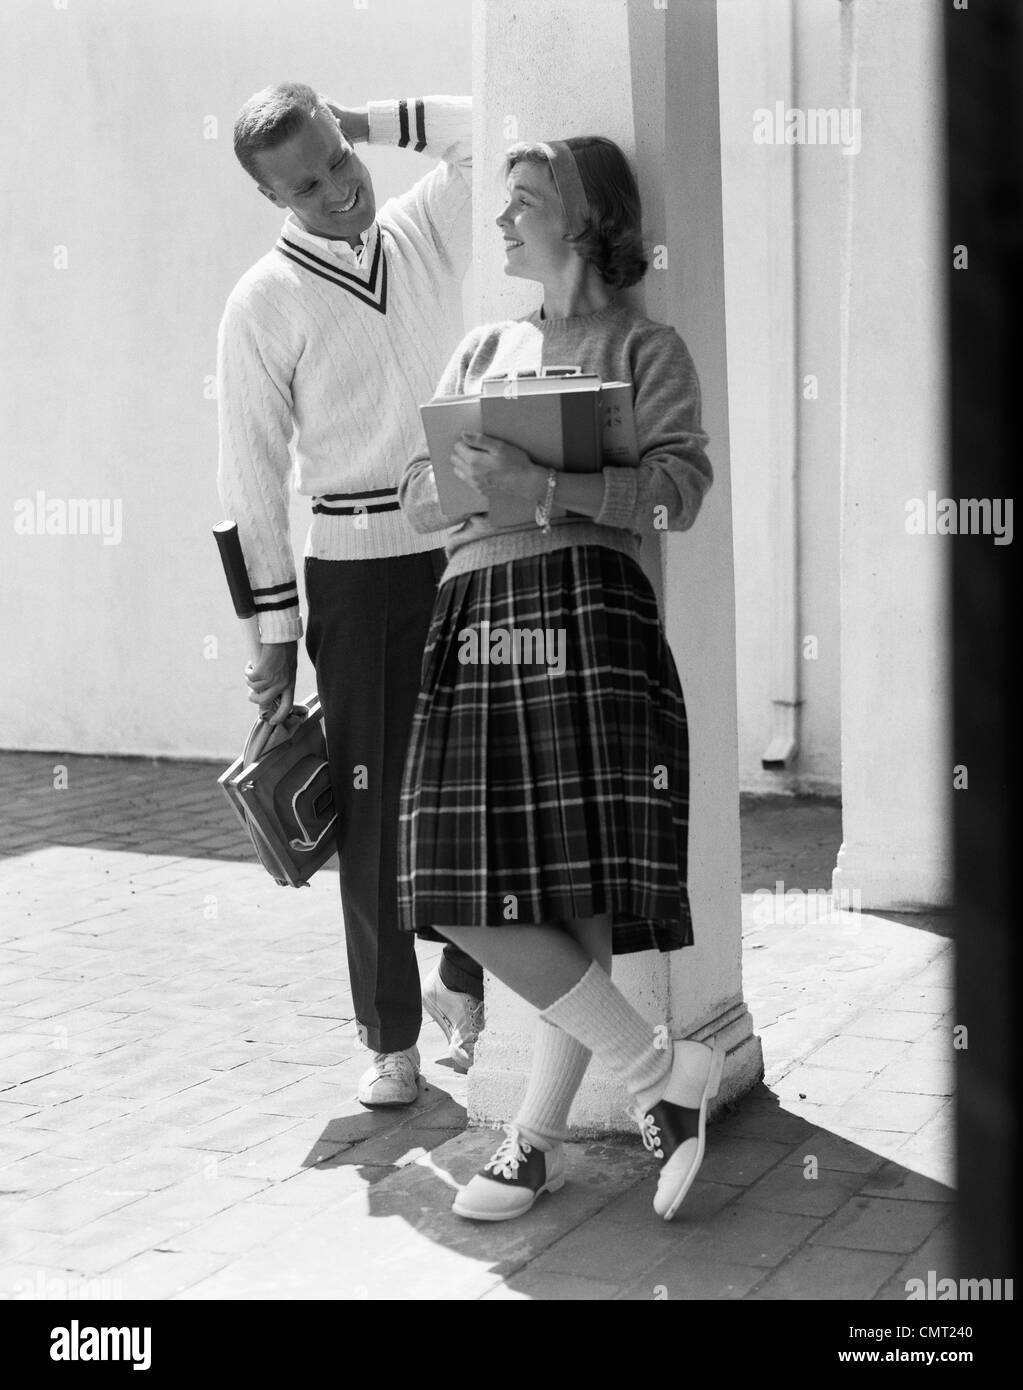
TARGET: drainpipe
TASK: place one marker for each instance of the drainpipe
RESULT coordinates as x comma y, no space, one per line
783,441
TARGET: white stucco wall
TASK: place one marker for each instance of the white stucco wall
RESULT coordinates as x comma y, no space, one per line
780,329
109,358
105,363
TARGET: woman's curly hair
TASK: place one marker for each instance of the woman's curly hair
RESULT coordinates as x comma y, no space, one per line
612,239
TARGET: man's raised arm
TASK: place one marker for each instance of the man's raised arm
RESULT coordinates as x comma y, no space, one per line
437,126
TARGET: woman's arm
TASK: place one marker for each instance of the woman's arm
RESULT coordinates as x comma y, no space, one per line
417,491
665,492
492,465
417,495
666,489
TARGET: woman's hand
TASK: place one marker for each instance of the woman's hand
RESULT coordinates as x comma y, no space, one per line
492,465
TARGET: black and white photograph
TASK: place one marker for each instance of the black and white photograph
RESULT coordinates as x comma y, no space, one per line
508,765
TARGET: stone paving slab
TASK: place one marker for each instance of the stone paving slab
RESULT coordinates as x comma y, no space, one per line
802,1190
177,1077
689,1274
528,1286
865,1223
860,1274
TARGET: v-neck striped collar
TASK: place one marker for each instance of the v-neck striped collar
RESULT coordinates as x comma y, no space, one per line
366,281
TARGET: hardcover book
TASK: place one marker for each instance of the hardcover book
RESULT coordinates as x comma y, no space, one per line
565,419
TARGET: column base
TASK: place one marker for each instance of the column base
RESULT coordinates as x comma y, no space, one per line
497,1081
897,880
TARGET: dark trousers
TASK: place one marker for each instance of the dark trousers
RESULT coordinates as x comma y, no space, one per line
368,624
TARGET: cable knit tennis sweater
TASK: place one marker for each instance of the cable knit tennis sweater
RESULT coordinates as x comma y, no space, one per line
324,355
620,345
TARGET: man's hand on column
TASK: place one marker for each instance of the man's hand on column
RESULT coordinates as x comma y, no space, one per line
353,120
272,676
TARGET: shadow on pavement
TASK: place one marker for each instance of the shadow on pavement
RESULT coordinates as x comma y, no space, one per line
781,1210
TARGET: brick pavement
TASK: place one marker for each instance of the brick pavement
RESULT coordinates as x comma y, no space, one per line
179,1056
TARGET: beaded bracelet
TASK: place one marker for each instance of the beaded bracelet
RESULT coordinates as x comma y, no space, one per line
543,511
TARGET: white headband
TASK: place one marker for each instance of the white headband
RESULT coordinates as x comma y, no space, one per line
567,180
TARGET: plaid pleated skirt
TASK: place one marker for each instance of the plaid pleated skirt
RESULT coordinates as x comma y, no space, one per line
547,775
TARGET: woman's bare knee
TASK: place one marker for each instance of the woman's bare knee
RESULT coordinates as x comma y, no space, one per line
594,936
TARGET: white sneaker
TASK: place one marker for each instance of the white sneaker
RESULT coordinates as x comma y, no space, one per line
459,1016
512,1180
392,1079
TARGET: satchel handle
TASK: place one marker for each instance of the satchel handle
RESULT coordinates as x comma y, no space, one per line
263,735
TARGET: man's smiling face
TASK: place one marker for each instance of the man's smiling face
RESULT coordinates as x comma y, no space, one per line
318,175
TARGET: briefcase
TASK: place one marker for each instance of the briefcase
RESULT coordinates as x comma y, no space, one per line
280,790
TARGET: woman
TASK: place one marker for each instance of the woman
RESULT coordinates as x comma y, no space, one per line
544,813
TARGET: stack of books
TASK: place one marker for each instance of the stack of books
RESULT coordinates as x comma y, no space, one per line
564,419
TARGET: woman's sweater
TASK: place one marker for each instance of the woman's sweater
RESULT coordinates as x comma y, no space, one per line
620,345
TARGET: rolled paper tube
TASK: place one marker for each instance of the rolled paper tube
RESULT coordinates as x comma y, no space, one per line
226,535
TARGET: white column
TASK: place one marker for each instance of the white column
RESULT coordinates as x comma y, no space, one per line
896,756
534,65
706,999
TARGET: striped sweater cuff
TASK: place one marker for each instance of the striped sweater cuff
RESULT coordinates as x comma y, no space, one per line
277,611
401,123
439,126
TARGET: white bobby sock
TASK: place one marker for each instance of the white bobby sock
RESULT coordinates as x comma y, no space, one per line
597,1013
559,1064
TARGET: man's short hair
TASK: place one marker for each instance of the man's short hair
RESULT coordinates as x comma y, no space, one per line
271,117
612,238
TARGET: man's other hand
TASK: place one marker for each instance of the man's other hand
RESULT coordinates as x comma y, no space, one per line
353,120
274,676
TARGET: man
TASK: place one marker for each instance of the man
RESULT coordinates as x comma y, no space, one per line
326,349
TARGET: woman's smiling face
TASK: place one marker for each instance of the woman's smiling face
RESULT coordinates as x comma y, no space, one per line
533,224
